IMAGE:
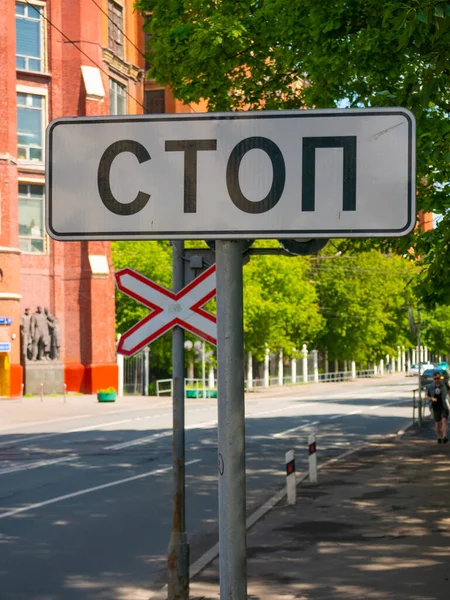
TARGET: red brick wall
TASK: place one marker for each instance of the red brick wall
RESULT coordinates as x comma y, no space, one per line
9,254
62,278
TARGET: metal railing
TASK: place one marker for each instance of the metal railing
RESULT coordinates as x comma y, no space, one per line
164,386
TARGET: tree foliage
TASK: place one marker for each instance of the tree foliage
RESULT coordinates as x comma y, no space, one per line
274,54
281,308
364,300
436,329
352,306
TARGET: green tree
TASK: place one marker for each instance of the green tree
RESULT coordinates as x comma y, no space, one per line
364,300
280,305
275,54
436,329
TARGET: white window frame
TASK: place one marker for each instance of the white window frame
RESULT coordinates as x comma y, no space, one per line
43,5
35,91
119,85
119,37
40,182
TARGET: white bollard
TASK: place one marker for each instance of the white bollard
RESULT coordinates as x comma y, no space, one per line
249,371
42,392
305,363
266,368
291,484
312,450
21,392
353,365
315,354
121,369
211,377
280,368
381,367
65,393
293,370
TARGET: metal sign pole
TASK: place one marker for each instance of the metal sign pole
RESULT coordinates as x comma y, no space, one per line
178,555
231,421
203,370
419,350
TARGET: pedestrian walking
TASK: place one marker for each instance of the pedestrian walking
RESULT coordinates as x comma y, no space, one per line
437,396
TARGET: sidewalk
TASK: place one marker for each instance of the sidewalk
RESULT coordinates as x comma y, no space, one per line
375,527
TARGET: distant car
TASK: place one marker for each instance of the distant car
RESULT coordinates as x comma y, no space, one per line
443,365
427,376
427,365
413,370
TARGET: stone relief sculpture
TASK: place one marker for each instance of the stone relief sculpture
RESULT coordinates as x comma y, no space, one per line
40,335
25,335
55,335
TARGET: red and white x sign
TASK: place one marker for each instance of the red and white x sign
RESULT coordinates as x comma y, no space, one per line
169,309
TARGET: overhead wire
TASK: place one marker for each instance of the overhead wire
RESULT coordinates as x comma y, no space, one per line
79,49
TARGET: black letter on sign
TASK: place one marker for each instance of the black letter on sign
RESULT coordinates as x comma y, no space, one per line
279,175
348,143
104,169
190,149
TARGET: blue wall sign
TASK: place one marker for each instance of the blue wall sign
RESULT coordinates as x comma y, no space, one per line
5,321
5,347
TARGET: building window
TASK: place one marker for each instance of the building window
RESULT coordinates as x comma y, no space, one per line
30,121
115,28
29,37
154,102
117,98
31,218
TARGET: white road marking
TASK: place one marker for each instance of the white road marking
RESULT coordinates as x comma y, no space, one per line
150,438
138,441
33,423
104,486
156,436
40,436
276,410
37,464
304,426
357,412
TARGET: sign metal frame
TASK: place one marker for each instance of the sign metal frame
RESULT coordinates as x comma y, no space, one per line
241,233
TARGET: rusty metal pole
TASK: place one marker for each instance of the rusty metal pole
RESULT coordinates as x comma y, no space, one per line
419,350
178,555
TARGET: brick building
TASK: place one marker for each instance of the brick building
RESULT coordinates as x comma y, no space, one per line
61,58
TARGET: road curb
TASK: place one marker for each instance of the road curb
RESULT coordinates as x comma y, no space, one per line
259,513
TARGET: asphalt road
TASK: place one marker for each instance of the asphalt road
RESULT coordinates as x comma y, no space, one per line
86,499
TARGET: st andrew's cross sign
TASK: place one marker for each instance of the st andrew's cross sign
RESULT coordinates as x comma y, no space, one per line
265,174
168,309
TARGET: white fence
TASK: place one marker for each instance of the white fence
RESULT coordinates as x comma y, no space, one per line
164,386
